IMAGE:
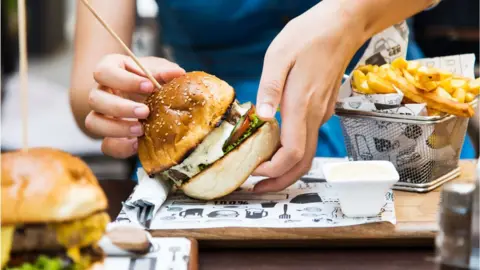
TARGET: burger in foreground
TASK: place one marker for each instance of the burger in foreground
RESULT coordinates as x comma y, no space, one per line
201,138
53,212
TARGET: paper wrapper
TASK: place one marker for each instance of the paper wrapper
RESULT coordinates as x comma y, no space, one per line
310,202
165,254
147,198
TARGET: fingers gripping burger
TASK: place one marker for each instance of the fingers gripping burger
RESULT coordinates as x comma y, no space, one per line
53,212
198,136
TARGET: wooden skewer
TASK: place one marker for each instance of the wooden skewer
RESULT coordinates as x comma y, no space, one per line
125,47
22,38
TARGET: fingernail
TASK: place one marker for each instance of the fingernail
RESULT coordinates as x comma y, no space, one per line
136,130
265,110
146,86
135,146
141,111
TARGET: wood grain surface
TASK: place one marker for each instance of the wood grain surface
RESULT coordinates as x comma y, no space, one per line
193,263
416,224
319,259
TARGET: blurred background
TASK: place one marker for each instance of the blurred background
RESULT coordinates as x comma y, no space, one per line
451,28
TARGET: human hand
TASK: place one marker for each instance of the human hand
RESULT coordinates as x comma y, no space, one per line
117,100
302,72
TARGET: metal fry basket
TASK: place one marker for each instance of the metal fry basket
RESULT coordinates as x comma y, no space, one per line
424,149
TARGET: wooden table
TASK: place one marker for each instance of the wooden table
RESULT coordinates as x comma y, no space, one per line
294,259
421,208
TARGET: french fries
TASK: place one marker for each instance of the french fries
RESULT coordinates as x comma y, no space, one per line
474,86
433,112
360,82
459,95
469,97
412,66
379,85
442,91
400,63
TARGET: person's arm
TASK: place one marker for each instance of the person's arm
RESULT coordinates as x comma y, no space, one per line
376,15
92,42
302,72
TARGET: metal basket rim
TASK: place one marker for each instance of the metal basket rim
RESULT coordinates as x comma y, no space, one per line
398,118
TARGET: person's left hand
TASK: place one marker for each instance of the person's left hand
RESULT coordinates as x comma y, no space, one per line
302,72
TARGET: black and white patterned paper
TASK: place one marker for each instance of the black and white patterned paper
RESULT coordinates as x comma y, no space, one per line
310,202
166,253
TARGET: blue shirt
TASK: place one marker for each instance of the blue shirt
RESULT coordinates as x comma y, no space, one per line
229,38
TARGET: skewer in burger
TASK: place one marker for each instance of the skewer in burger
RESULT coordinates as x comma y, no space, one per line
53,212
198,136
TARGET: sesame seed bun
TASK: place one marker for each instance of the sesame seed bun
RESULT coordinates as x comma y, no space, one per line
44,185
182,114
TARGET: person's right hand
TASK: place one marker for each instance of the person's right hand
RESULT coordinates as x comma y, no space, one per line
117,100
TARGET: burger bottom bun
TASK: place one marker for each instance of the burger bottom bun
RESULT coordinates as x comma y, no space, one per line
98,266
230,172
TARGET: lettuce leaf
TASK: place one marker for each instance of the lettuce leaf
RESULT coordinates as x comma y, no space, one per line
203,166
46,263
42,263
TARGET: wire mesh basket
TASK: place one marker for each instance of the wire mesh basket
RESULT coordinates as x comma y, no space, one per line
424,149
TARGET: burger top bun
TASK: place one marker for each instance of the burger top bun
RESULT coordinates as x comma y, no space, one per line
182,114
47,185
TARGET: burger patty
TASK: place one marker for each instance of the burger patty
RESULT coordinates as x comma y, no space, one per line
45,237
234,113
177,176
39,237
94,253
35,237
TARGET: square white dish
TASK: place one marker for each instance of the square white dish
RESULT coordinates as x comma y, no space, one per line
361,185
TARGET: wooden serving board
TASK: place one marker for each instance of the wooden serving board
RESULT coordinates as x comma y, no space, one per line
416,225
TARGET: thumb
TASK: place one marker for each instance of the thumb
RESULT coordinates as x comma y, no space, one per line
271,86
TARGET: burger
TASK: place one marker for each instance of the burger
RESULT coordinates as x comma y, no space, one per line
200,137
53,212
